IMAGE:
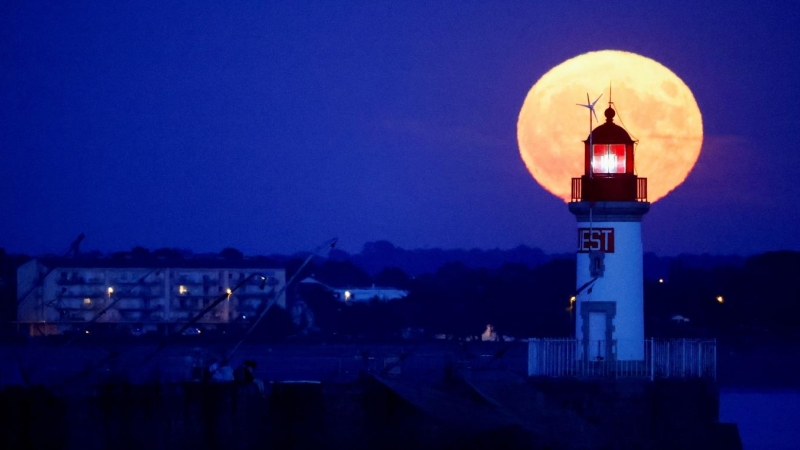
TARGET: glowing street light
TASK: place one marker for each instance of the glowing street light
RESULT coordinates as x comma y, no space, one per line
110,291
720,299
660,280
571,304
347,295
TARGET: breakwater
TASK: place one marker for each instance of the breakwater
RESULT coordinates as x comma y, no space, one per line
429,396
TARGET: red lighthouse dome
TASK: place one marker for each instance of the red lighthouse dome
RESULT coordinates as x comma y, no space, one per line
609,166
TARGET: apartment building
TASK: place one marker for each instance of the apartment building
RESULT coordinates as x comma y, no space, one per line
58,295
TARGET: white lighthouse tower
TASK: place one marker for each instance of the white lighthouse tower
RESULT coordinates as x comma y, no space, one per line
609,201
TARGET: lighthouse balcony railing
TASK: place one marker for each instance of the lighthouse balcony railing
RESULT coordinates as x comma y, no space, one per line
609,188
655,359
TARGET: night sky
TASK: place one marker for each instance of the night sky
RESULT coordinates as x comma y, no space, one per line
274,126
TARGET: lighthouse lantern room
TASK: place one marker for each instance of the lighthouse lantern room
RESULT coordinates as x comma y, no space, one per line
609,201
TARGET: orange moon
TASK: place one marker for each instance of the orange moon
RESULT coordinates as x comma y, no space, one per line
653,104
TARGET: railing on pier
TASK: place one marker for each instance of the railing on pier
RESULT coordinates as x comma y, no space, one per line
662,358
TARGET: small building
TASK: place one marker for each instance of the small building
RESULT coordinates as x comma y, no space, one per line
361,294
57,295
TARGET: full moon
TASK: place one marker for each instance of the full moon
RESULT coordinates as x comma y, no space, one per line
652,103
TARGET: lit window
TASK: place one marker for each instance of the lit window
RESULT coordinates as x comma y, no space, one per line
87,301
182,289
608,158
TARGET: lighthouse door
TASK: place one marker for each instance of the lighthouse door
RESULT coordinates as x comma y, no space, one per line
597,336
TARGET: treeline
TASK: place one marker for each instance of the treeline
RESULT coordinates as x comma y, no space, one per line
757,299
525,295
455,301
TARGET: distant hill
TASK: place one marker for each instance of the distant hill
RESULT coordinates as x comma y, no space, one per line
376,256
379,255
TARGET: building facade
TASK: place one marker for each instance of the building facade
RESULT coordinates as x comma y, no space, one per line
62,295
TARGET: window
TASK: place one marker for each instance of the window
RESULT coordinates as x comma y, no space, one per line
597,265
608,158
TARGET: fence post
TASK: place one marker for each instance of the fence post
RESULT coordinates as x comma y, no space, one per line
683,359
533,357
715,360
699,360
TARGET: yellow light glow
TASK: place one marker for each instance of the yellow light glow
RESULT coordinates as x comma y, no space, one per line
110,290
87,301
347,295
87,332
652,103
720,299
228,291
660,280
182,289
572,299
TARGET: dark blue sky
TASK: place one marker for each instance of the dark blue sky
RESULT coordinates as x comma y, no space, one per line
274,126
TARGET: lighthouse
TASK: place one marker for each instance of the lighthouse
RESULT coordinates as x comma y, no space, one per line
609,201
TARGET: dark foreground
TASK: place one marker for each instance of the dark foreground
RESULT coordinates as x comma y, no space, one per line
418,395
487,410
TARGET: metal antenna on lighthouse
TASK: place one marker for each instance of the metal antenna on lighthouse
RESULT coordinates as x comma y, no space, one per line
590,106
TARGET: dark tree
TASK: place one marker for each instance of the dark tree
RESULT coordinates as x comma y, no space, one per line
392,277
231,254
140,252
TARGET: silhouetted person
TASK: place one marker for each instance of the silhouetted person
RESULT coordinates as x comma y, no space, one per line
245,374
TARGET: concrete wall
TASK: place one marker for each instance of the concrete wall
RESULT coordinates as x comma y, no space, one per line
640,414
365,414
